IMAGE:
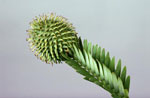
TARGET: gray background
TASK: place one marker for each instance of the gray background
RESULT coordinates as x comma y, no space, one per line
122,27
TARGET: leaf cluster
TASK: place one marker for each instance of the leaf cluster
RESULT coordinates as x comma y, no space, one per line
98,67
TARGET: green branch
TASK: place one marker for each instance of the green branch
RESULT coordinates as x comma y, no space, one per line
92,63
53,39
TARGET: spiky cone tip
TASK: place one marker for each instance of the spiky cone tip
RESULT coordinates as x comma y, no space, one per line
50,36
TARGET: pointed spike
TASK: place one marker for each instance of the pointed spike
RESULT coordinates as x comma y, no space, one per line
91,63
89,47
95,67
80,43
112,64
107,60
121,88
87,59
76,51
123,74
102,56
106,73
81,58
118,69
85,45
94,51
110,78
101,71
127,83
115,84
98,53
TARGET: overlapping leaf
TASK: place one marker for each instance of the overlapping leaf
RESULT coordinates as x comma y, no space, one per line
105,59
99,68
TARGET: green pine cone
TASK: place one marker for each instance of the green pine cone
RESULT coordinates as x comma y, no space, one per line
50,36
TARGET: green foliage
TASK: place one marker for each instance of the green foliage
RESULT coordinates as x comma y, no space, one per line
53,39
99,68
49,36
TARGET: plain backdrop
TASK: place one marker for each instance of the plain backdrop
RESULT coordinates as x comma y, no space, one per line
122,27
